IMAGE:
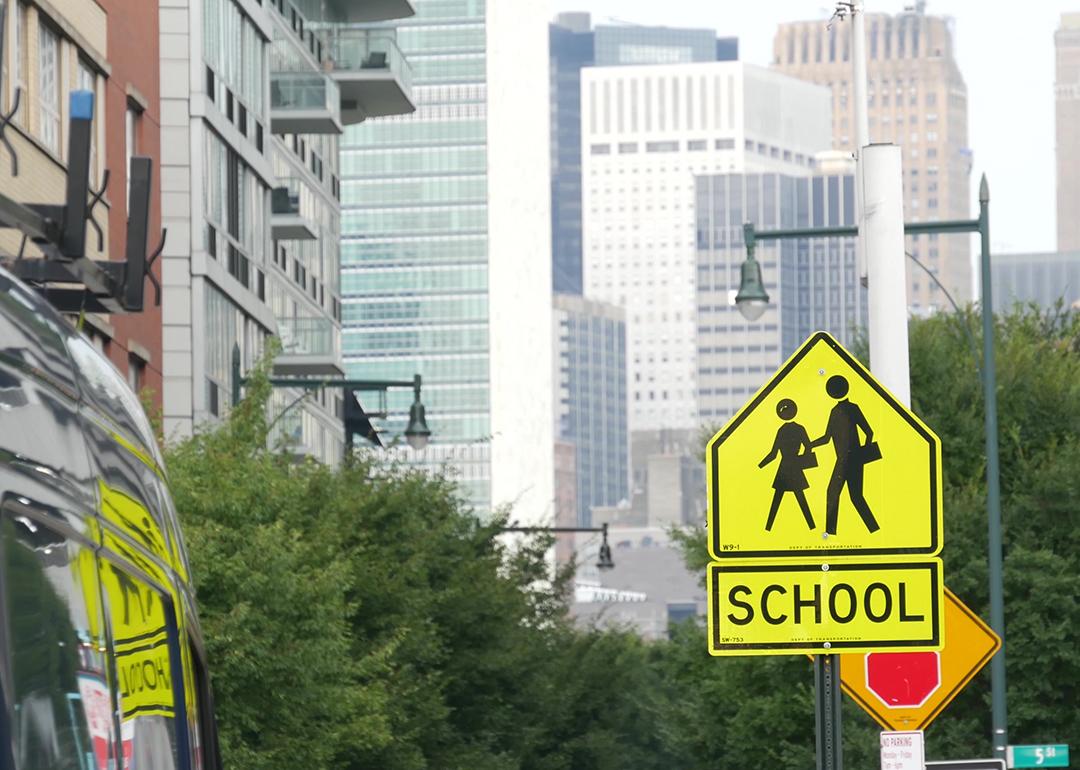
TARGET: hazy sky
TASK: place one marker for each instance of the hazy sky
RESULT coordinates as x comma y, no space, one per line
1006,55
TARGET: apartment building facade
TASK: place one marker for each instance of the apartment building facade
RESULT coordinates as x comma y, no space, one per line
916,98
255,94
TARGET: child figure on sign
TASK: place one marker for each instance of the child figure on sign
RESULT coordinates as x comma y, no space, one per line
793,445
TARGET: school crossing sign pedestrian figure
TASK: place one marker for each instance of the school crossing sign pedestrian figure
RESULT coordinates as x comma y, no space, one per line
837,466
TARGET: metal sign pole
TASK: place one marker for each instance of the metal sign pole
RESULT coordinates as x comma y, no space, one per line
827,712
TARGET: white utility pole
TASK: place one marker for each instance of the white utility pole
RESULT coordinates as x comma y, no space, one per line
883,226
862,122
879,212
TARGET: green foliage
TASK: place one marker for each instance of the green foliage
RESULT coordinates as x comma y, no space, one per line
1038,392
364,617
1038,377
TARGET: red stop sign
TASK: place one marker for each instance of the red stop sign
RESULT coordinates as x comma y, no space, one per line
903,679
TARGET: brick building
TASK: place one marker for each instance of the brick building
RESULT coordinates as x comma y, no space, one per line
50,50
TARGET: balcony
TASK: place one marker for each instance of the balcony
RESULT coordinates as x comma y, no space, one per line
304,103
309,347
373,75
355,11
287,223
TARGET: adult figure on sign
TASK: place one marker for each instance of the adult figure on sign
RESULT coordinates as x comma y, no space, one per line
852,455
793,445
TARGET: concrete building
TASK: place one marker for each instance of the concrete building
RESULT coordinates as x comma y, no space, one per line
253,99
446,251
646,133
668,478
1042,279
917,99
813,284
1067,122
575,44
52,49
590,400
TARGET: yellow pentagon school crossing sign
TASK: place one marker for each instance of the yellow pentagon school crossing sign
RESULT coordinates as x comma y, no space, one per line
824,461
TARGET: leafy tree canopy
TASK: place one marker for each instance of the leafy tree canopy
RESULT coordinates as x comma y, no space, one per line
364,617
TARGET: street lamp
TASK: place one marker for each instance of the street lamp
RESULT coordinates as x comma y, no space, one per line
417,432
752,299
603,559
988,375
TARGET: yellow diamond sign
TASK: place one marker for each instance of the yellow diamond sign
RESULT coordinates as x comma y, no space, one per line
824,462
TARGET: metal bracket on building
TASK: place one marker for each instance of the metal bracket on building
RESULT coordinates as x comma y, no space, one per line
95,199
16,99
64,274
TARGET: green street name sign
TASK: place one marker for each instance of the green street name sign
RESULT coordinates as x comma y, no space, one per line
1049,755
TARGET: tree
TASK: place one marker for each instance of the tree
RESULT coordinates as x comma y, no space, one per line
1038,373
273,611
365,617
1038,376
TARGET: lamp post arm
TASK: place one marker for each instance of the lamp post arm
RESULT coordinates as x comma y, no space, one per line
553,529
294,402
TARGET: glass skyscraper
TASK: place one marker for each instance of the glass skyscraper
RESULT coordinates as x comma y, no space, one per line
814,283
590,345
657,45
437,263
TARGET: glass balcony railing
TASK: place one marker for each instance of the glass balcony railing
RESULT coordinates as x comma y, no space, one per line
352,49
304,93
309,337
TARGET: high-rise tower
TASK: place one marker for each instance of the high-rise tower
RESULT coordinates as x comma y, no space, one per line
1067,119
446,251
916,98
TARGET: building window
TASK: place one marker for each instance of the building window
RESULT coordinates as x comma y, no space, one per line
136,372
49,88
88,82
600,149
725,144
695,145
21,47
131,148
627,148
661,147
